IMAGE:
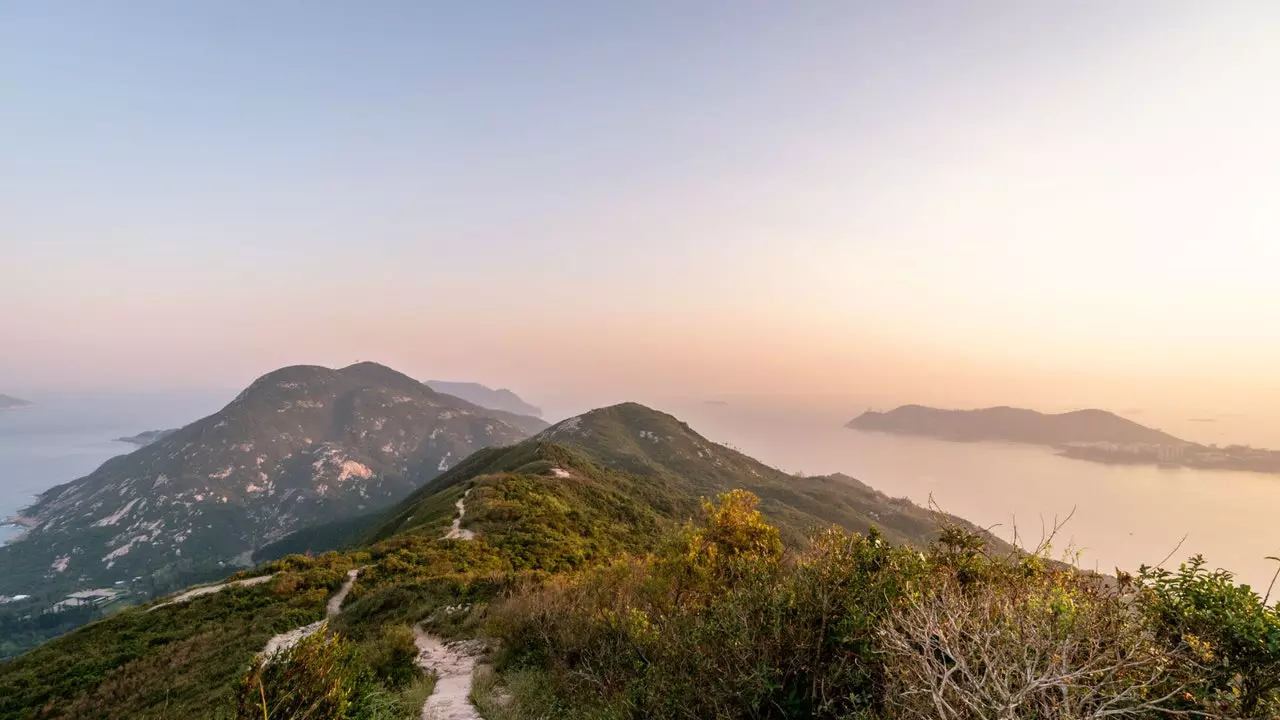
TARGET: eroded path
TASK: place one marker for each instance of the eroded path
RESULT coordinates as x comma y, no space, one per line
456,532
453,664
210,589
286,640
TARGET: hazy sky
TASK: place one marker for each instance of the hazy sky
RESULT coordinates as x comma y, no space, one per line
1052,204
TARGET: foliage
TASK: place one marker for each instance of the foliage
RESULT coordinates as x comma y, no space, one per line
610,602
1233,636
391,654
173,661
1024,641
754,638
317,678
852,626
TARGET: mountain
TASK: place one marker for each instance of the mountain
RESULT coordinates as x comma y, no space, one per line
8,402
486,397
582,567
604,485
146,437
667,467
300,446
1008,424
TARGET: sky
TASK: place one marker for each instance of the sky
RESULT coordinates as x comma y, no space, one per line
1046,204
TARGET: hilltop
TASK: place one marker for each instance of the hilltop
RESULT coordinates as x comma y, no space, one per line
1007,424
8,402
478,394
301,445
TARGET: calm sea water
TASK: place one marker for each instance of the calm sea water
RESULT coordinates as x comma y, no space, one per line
66,437
1124,516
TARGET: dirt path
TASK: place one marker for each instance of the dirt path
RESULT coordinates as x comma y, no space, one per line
284,641
335,603
456,532
453,664
211,589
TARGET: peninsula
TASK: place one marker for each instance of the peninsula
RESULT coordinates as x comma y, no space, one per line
1096,435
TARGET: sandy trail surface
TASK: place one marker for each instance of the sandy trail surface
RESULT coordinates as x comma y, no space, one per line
453,663
211,589
286,640
456,532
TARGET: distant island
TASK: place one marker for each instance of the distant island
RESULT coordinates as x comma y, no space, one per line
8,402
485,397
1096,435
147,437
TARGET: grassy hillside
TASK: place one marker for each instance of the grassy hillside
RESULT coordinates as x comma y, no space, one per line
604,586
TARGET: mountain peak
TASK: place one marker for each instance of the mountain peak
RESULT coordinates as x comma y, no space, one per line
302,444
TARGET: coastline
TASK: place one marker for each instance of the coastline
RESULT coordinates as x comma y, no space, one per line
25,522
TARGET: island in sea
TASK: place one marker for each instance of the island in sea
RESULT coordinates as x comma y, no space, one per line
1096,435
8,402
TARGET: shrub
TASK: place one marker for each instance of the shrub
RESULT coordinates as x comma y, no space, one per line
317,678
391,655
1034,644
1233,639
717,626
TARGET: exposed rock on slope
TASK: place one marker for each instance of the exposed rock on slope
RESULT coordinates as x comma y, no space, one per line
300,446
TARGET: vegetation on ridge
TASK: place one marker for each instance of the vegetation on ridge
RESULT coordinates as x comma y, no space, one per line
604,586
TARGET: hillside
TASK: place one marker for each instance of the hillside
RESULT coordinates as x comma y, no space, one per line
580,566
146,437
8,402
615,480
660,461
300,446
1006,424
486,397
635,439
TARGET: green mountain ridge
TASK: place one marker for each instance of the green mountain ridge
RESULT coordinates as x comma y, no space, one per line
612,481
587,567
300,446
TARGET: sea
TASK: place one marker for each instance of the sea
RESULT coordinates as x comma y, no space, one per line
1107,516
66,436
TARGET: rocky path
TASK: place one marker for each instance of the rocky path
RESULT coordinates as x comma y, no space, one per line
210,589
453,664
286,640
456,532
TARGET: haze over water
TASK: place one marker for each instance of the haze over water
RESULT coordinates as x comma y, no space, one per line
1125,516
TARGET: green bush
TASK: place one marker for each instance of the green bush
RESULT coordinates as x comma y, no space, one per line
317,678
1233,637
391,655
716,627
